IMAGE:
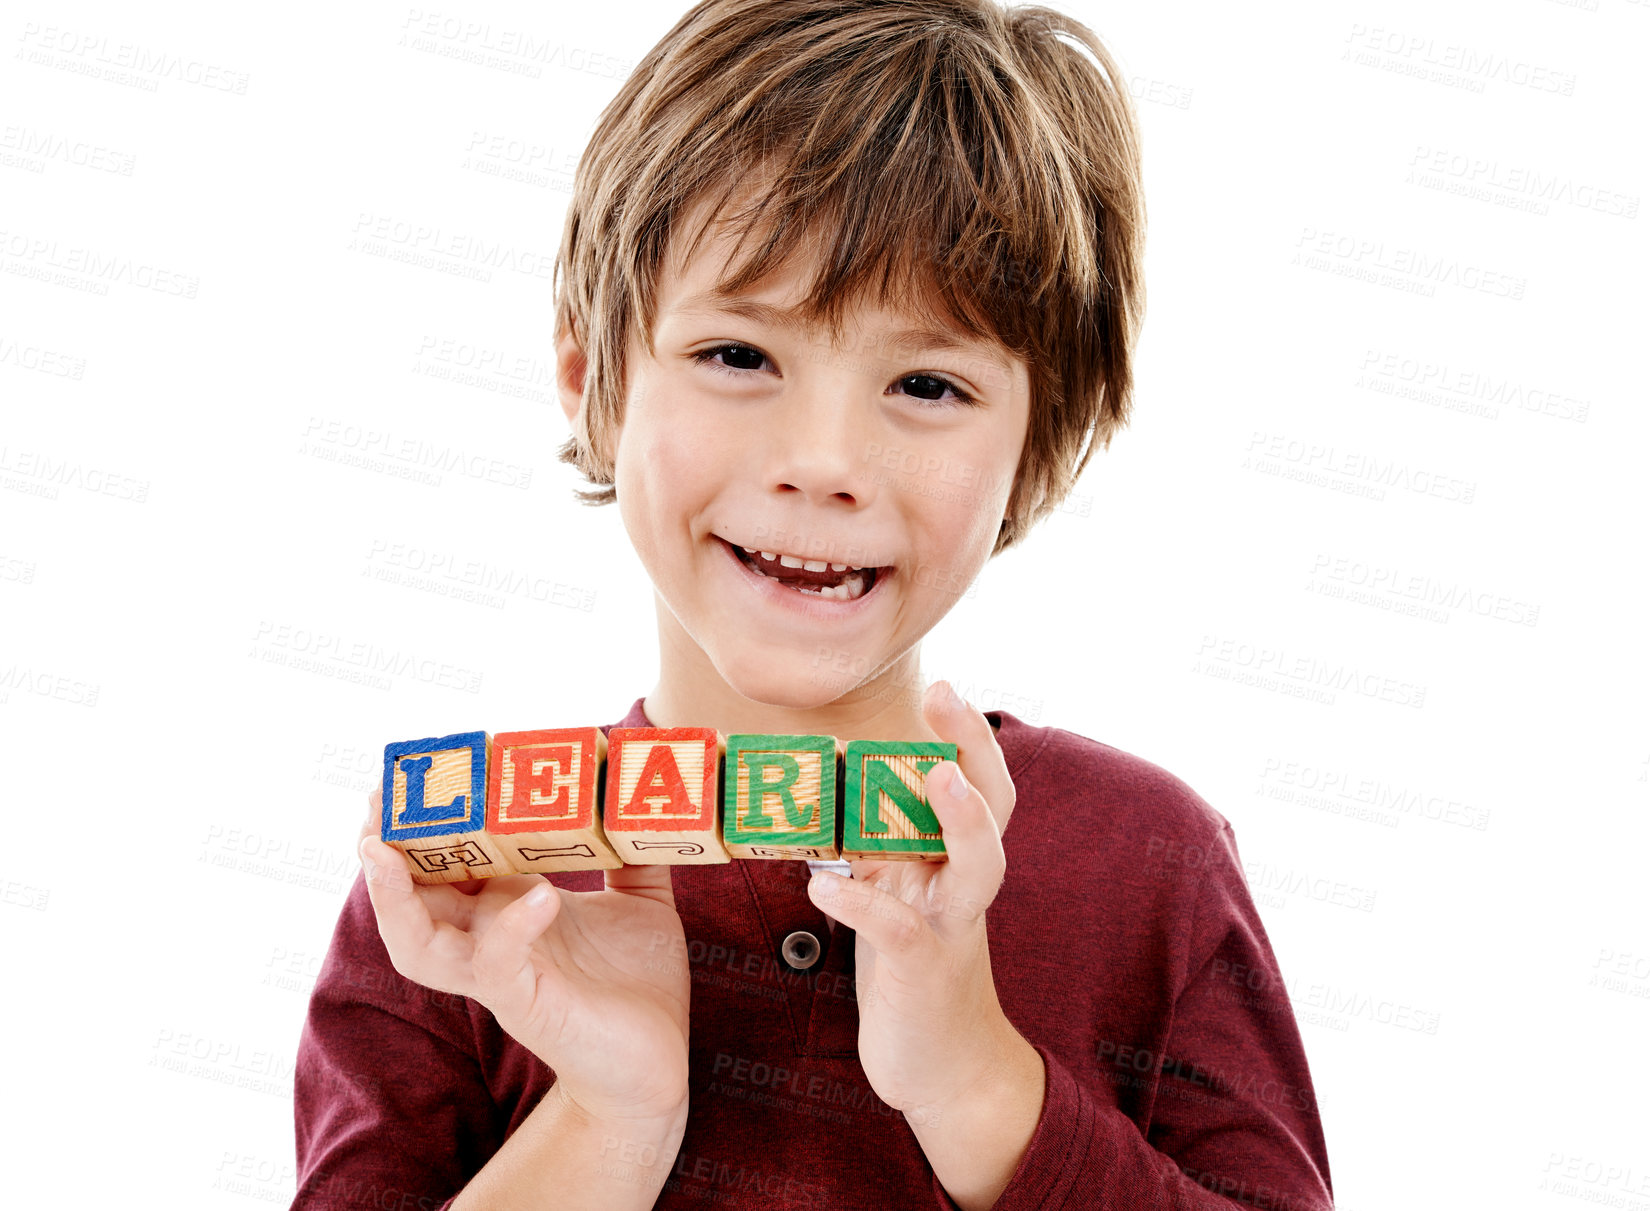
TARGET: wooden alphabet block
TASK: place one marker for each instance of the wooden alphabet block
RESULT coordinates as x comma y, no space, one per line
435,808
779,797
664,798
543,799
884,811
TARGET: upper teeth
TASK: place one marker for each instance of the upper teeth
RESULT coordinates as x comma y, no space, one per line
852,586
808,565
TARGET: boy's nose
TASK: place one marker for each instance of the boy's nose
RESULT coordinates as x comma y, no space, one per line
818,449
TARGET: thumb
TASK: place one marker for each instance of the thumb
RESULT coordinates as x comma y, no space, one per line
648,882
503,964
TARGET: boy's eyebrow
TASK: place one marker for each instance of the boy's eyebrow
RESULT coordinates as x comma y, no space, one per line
900,339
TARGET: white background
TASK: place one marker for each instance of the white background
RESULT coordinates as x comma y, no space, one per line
1367,570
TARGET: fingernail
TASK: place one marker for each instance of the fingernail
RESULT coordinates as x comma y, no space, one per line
959,784
538,896
956,698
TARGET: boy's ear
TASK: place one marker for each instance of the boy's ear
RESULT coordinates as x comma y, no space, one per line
570,364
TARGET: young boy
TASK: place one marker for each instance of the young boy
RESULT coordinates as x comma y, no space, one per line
850,290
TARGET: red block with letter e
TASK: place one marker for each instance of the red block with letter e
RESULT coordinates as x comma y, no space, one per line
543,799
664,795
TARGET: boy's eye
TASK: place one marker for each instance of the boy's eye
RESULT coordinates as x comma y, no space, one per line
739,353
929,388
937,386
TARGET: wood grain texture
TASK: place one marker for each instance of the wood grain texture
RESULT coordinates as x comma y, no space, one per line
435,808
663,803
779,797
884,812
544,800
474,806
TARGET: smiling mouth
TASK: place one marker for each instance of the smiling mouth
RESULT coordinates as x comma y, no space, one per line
810,577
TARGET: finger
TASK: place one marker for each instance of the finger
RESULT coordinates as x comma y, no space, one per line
373,825
975,862
890,925
978,752
651,882
422,947
443,901
509,979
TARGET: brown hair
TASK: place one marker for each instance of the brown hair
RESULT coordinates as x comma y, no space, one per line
952,142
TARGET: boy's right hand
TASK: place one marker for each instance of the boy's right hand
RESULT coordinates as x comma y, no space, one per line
593,983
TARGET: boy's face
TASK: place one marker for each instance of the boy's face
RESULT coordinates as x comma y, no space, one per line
862,453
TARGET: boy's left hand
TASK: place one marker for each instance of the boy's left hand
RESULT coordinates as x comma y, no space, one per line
931,1030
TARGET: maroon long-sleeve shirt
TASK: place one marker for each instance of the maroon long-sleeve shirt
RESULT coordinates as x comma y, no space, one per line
1125,948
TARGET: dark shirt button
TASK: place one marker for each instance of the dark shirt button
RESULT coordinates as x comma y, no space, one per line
800,950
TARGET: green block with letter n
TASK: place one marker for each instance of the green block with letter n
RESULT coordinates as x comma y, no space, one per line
884,811
779,797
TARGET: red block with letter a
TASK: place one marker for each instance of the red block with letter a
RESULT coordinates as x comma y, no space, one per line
664,795
543,800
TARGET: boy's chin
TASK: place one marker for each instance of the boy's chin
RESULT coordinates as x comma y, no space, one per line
796,684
